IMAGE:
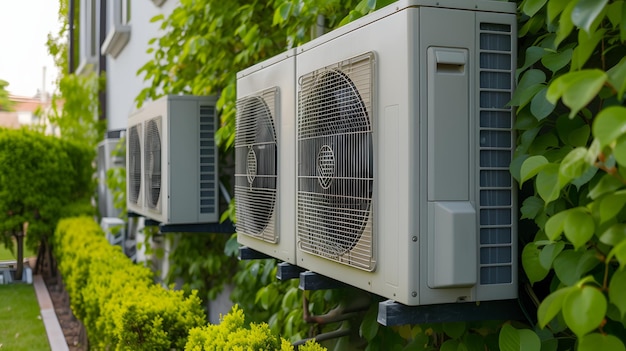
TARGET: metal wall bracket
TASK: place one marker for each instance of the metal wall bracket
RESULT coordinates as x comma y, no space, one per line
391,313
225,227
313,281
287,271
246,253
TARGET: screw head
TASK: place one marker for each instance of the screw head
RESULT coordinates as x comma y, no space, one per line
414,239
414,294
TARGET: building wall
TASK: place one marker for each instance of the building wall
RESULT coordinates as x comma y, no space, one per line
122,82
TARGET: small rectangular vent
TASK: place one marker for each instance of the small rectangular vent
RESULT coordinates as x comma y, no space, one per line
208,162
495,150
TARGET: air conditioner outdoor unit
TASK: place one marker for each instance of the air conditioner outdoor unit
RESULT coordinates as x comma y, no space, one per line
114,230
107,161
403,145
172,171
265,155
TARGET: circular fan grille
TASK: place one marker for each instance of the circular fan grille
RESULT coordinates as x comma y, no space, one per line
134,163
153,163
255,168
335,175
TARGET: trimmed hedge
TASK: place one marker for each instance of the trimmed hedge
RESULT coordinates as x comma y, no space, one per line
232,334
117,301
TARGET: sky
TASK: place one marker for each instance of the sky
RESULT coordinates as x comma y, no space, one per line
24,27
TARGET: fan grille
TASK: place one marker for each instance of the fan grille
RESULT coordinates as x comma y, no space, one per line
134,163
255,166
153,163
335,162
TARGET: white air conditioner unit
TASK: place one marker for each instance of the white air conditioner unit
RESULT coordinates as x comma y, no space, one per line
114,230
107,161
403,145
172,170
265,155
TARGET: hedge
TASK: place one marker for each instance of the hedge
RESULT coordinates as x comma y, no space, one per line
117,300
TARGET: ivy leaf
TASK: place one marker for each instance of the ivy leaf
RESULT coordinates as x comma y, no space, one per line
555,224
532,166
555,7
551,306
609,125
579,227
532,265
557,60
570,265
565,21
548,183
533,54
618,252
611,205
597,341
531,82
614,235
619,151
549,253
574,165
540,107
531,7
586,45
622,27
454,329
584,309
586,11
369,326
450,345
531,207
617,77
617,287
577,89
512,339
607,184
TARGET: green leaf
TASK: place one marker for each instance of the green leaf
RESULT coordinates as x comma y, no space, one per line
369,326
570,265
587,44
619,252
551,306
547,183
540,107
619,151
516,166
532,265
607,184
574,165
555,225
584,309
617,287
555,7
557,60
611,205
533,54
609,125
622,27
579,227
532,166
586,11
531,82
454,329
614,235
565,21
597,341
450,345
617,77
549,253
577,89
512,339
531,7
531,207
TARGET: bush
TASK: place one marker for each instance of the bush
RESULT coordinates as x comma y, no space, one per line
231,334
116,300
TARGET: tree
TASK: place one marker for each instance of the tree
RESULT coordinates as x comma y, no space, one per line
5,103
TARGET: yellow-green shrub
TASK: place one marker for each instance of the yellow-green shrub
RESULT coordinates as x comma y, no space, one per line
232,334
116,300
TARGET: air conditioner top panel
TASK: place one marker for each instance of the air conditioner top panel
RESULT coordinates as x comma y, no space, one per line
291,53
473,5
158,105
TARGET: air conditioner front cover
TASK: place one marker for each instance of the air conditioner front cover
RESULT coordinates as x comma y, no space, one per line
265,157
107,161
371,197
134,165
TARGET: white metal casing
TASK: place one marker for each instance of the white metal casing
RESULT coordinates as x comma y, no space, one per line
188,160
432,230
275,76
114,230
107,161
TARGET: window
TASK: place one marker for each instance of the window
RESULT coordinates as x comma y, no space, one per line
119,27
89,21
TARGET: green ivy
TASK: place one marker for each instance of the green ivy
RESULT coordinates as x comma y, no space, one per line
570,121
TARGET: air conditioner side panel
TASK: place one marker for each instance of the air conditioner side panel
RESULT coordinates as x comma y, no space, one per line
278,72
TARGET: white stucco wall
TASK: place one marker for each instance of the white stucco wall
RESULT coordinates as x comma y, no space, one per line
123,84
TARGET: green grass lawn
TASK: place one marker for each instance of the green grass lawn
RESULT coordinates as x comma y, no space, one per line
21,327
6,255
